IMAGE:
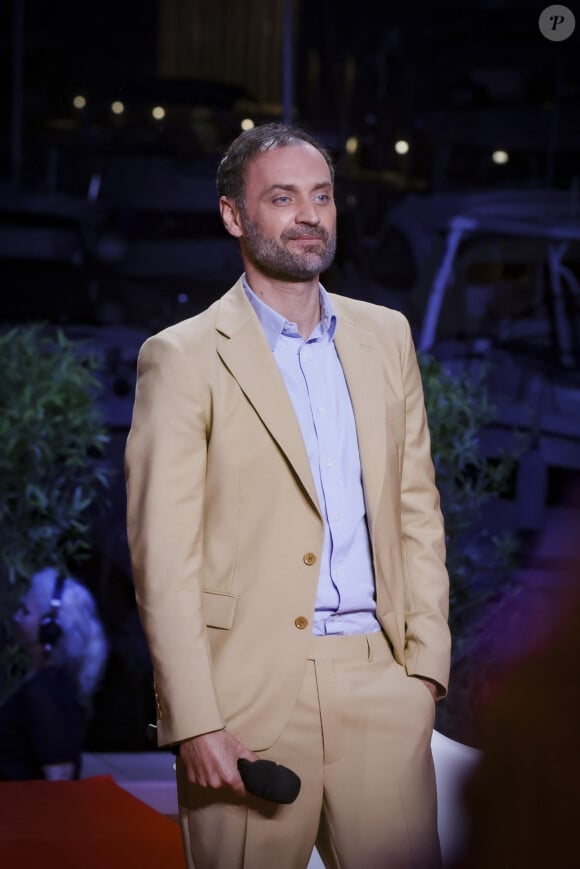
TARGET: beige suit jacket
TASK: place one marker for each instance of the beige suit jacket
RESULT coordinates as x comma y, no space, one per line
224,527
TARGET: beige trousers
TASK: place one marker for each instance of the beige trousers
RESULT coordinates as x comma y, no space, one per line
359,738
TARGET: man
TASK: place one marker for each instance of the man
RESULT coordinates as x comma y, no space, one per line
287,542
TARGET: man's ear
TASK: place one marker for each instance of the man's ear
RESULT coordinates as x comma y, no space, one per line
231,216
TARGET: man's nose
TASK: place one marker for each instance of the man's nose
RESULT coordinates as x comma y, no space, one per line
307,213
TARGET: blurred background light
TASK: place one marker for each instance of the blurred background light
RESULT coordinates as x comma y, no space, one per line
117,107
158,113
247,124
351,145
500,157
402,146
79,102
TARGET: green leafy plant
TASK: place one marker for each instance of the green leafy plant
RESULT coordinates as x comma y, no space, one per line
51,468
479,562
458,408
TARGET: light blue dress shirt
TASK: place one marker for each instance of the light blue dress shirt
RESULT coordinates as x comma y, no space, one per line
311,369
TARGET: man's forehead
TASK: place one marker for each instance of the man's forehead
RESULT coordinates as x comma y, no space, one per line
288,163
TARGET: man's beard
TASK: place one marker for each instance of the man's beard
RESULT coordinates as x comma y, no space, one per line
275,260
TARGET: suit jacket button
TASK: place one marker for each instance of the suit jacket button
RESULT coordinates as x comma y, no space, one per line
301,622
310,558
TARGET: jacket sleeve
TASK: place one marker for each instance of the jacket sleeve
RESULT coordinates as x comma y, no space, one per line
165,462
426,582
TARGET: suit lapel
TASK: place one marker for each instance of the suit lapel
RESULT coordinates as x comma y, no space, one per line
244,350
360,359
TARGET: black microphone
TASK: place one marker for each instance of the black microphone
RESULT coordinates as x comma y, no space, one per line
270,781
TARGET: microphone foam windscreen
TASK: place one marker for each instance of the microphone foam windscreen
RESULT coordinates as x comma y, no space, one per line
270,781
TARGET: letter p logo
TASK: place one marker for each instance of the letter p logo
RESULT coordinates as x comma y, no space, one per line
557,23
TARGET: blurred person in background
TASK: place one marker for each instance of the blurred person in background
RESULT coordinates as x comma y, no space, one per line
43,719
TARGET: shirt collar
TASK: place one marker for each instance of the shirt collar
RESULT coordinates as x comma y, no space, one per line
274,323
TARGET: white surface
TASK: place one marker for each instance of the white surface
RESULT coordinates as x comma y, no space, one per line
148,776
453,763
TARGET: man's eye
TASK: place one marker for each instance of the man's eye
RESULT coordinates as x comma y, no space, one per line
282,200
323,197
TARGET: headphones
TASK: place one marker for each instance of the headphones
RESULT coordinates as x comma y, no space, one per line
49,630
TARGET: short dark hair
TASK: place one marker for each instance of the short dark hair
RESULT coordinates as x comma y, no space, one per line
265,137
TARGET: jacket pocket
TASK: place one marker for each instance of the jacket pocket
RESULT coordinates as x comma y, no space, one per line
219,608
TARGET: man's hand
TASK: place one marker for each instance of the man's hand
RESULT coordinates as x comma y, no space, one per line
211,760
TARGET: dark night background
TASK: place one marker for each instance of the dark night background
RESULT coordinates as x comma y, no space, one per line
109,225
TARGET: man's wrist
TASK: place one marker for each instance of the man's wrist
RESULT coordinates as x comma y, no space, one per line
175,746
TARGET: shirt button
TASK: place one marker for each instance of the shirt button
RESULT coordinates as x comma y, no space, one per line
301,622
309,558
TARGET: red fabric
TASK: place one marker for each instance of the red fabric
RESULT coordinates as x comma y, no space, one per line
87,824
